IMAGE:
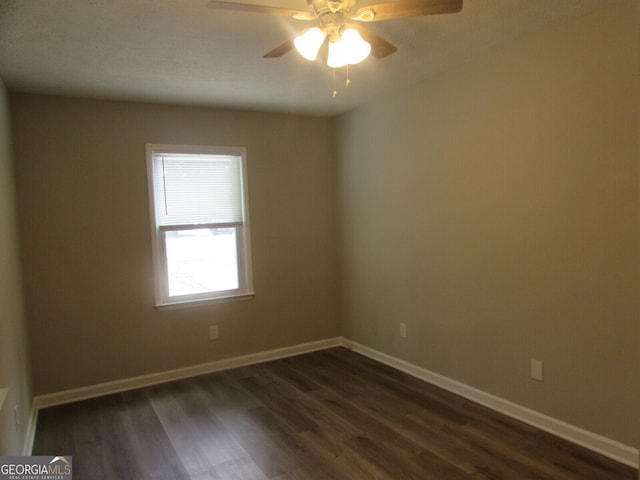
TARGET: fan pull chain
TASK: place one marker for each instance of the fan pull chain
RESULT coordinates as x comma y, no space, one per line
347,81
335,92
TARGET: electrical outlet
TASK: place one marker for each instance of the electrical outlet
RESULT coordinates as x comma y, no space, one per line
403,330
213,332
536,369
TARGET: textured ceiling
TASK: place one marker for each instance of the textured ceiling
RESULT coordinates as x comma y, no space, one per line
180,51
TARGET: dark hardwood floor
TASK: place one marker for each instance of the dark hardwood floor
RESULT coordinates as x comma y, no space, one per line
325,415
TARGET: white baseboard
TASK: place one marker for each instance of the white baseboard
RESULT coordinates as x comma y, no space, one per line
30,427
610,448
30,435
597,443
106,388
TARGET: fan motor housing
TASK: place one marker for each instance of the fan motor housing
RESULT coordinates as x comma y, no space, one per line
325,6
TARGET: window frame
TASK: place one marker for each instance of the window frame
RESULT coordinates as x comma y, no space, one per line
158,244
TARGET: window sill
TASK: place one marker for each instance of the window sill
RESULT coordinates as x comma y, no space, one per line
204,301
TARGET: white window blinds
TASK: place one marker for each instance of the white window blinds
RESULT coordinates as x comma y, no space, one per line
197,189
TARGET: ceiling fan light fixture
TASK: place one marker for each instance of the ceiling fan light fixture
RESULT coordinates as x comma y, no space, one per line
358,48
308,44
349,49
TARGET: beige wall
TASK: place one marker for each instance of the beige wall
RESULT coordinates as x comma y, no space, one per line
494,210
14,352
84,217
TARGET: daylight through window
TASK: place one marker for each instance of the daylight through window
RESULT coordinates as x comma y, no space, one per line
200,228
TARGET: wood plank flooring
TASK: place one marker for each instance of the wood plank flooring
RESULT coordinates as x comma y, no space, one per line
332,414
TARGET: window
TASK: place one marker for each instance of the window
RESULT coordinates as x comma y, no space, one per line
199,223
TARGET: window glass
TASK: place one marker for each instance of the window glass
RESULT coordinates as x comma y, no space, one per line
200,227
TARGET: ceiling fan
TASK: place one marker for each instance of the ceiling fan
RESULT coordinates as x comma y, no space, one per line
339,39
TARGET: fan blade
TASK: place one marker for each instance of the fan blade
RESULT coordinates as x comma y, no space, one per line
379,46
246,7
280,50
406,8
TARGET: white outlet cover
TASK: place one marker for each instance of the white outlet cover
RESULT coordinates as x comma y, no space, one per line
536,369
213,332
